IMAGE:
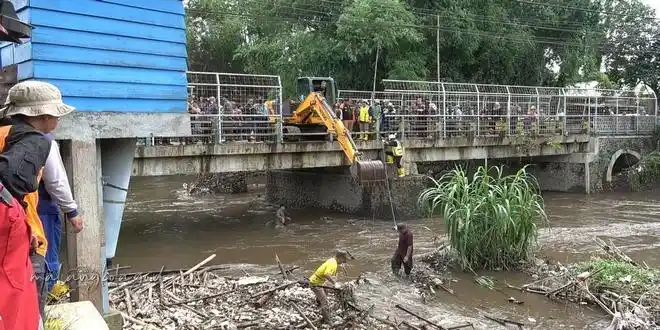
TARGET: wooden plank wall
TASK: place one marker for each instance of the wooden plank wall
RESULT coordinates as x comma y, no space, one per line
106,55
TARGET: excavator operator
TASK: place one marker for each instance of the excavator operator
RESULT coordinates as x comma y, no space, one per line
394,154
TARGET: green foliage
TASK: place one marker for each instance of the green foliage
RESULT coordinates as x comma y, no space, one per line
366,25
491,219
556,145
646,172
632,47
614,274
503,42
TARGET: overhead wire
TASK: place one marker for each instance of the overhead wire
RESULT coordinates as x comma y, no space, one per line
537,40
545,3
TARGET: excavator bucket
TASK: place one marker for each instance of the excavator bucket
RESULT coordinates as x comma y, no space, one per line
369,171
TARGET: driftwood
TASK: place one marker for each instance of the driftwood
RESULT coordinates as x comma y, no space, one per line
419,317
200,299
309,322
285,275
626,313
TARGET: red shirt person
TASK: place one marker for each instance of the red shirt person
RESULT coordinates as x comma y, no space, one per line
404,251
33,108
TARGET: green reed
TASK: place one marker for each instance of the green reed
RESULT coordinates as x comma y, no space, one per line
491,220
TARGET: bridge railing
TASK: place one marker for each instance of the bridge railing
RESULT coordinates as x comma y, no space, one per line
232,107
240,107
605,112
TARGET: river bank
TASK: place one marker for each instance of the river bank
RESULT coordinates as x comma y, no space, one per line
625,290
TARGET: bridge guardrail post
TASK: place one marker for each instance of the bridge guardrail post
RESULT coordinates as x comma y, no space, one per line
616,118
478,113
444,111
508,111
221,110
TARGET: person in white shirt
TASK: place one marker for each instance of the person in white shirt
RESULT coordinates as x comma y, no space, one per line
55,196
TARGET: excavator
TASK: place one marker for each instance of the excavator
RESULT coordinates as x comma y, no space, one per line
314,114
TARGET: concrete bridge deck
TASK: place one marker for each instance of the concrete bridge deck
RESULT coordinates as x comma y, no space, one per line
245,156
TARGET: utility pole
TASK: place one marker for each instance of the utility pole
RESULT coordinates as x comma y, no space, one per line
373,89
437,49
440,89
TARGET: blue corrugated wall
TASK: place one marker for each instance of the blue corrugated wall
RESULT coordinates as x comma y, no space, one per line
106,55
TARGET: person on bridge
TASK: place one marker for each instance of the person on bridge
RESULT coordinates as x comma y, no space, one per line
365,121
404,251
32,110
394,154
326,273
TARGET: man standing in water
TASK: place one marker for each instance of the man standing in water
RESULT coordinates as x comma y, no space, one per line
326,273
282,219
404,251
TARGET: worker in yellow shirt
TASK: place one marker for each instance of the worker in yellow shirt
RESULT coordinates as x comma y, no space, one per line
326,273
365,121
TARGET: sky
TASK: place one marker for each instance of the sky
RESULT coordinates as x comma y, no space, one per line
655,4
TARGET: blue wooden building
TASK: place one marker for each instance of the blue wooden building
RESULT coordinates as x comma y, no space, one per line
106,55
122,64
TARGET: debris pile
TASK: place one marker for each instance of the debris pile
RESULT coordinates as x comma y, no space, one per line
217,183
432,272
200,299
627,291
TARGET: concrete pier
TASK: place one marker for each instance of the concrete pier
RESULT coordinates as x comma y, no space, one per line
86,250
334,189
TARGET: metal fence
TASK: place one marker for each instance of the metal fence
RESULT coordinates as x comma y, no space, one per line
232,107
480,109
241,107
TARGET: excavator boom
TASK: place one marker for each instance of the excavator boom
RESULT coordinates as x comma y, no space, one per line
365,171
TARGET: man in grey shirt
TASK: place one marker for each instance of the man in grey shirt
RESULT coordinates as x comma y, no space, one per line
54,196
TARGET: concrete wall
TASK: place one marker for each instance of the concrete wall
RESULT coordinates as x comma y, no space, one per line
335,190
605,148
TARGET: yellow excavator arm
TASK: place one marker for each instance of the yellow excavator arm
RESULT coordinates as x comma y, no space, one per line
315,104
315,108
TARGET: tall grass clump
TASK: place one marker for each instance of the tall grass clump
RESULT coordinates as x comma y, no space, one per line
491,219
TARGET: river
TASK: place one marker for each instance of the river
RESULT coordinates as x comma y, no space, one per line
163,226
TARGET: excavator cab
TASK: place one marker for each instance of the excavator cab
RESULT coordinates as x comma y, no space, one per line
325,85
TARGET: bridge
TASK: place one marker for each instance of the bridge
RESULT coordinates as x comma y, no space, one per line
576,138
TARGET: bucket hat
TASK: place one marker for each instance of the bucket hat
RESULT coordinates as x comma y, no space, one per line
34,98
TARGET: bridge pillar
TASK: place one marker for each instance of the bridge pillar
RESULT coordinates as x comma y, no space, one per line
562,176
334,189
85,251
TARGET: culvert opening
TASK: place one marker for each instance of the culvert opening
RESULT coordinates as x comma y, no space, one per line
624,162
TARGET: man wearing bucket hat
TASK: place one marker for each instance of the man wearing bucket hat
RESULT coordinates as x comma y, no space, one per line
32,110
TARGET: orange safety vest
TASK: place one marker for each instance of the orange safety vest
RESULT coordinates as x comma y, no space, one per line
31,199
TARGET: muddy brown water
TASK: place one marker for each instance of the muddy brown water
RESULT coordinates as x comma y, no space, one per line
163,226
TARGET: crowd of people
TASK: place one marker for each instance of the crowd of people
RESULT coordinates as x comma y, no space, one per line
252,120
255,119
33,189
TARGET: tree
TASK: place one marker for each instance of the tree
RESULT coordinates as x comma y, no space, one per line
632,48
213,35
499,41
